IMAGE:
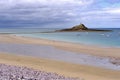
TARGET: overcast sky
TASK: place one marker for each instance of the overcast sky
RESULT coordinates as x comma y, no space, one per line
59,13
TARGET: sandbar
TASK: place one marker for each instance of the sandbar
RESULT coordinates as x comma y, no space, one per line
67,69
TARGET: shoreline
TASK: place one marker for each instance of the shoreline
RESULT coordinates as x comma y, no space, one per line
67,69
68,46
61,68
71,42
52,53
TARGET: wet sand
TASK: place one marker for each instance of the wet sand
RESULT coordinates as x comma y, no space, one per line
73,47
61,68
52,53
64,68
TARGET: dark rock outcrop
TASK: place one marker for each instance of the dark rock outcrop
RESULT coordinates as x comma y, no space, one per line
80,27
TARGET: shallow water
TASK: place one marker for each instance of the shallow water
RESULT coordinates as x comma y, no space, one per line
53,53
104,39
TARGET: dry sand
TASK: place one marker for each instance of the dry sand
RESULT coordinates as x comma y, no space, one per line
67,69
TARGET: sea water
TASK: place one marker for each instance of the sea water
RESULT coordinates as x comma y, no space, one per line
105,39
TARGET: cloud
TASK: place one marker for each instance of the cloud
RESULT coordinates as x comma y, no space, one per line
57,12
113,10
40,11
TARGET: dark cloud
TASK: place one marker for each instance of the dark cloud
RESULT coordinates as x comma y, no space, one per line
55,12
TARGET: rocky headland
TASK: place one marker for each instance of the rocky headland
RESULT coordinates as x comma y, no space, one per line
80,27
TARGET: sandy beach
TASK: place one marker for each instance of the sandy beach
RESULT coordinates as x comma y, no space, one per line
74,47
67,69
